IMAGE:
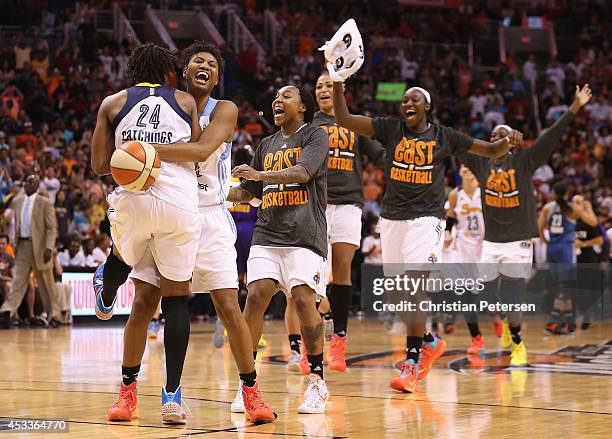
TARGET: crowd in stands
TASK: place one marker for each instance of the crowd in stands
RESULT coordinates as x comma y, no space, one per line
56,69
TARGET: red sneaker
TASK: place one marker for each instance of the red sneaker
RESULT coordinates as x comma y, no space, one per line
304,364
407,380
126,407
255,408
478,345
429,356
338,354
498,326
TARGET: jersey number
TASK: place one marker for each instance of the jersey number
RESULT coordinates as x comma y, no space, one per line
556,220
472,223
153,120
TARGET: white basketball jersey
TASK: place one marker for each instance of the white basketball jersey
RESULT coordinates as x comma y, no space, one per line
470,222
215,173
152,114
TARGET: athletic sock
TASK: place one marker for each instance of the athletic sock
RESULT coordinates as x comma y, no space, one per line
249,379
129,374
176,338
340,305
428,337
413,348
116,273
316,364
295,342
516,334
474,329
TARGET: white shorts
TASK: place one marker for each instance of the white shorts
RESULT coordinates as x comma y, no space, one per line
510,259
411,244
343,224
463,251
215,267
288,266
141,223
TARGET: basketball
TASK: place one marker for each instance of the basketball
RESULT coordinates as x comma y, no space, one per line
135,166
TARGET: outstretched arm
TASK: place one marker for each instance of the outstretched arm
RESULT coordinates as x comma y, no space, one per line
360,124
238,194
498,148
221,127
294,174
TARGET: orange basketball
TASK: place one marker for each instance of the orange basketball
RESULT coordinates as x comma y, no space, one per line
135,166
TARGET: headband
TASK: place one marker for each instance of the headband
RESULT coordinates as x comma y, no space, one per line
506,127
425,93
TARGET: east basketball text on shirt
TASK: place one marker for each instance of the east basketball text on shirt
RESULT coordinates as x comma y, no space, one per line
413,161
283,194
501,189
341,145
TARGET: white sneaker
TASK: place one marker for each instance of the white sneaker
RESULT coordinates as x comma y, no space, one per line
293,364
315,396
238,402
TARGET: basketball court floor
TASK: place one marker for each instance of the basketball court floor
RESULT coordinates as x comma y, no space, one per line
73,374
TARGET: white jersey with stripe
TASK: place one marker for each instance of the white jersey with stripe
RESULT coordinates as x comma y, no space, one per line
152,114
470,222
214,174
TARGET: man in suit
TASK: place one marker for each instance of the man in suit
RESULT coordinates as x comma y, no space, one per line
34,239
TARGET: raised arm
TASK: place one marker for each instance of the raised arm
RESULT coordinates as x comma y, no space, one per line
103,142
540,151
360,124
582,209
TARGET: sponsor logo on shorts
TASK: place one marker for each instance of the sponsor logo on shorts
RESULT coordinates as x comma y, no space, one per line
317,278
432,258
526,244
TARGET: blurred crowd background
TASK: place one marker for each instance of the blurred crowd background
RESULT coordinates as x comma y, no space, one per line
55,69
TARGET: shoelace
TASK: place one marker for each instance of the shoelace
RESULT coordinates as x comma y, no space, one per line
178,406
336,347
312,395
255,400
406,369
124,400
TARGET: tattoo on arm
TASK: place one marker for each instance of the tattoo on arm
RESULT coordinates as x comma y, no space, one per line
294,174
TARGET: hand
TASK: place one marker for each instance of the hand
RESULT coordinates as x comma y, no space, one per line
581,98
344,73
344,52
47,255
515,138
246,172
578,244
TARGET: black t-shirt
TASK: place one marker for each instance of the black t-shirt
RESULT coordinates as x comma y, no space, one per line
415,167
584,232
507,191
345,164
292,215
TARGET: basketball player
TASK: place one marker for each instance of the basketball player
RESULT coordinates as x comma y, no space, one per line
289,245
509,210
412,218
215,268
465,214
344,204
559,219
162,221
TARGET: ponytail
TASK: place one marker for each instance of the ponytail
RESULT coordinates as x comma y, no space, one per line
560,189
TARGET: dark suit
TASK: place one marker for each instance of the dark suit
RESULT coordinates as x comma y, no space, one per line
29,255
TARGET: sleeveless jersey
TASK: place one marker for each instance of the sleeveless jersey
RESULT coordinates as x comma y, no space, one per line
470,222
151,114
560,227
214,174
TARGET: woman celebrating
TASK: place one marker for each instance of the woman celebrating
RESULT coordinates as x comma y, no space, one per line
289,246
412,219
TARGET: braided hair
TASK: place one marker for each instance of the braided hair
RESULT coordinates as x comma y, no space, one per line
151,63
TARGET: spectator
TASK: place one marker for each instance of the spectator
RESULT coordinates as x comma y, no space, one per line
35,232
80,223
50,184
7,268
371,247
73,256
